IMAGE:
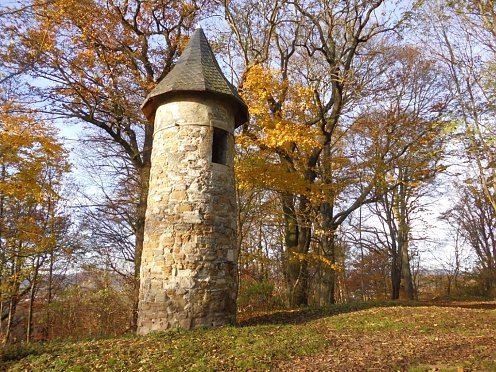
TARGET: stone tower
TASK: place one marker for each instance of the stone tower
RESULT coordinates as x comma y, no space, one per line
188,267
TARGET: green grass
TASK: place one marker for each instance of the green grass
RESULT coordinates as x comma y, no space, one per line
254,347
403,338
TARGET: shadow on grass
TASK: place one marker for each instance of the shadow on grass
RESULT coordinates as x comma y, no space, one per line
15,352
307,314
476,305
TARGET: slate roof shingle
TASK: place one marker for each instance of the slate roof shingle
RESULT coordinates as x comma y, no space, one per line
197,70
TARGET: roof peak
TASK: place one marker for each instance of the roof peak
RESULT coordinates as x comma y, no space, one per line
196,70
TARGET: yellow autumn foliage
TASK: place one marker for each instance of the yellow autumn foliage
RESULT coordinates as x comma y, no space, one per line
276,145
313,257
286,127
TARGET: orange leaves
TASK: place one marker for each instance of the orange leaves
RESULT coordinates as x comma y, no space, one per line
276,146
97,51
41,39
87,57
187,8
260,171
27,148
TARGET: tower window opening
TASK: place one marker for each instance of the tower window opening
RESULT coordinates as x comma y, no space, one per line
219,146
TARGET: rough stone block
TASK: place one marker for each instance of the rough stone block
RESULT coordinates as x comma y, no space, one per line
178,195
184,208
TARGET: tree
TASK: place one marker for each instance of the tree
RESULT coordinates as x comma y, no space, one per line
93,62
368,275
452,263
321,49
408,131
465,41
107,216
32,164
284,143
476,221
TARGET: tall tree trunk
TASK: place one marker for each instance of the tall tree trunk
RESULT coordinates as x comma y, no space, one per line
406,274
14,292
329,277
140,236
301,286
395,276
396,229
2,255
395,258
144,172
8,326
290,242
297,242
329,250
329,283
29,321
362,257
403,240
47,326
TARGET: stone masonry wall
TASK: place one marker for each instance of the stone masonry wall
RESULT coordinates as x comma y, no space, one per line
188,269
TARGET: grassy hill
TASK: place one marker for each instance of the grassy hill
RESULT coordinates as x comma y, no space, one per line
454,337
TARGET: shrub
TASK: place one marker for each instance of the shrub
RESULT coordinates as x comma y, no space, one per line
258,295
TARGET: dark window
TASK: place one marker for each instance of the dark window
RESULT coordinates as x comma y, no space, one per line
219,146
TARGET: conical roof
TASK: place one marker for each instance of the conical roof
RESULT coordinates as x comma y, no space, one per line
197,70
